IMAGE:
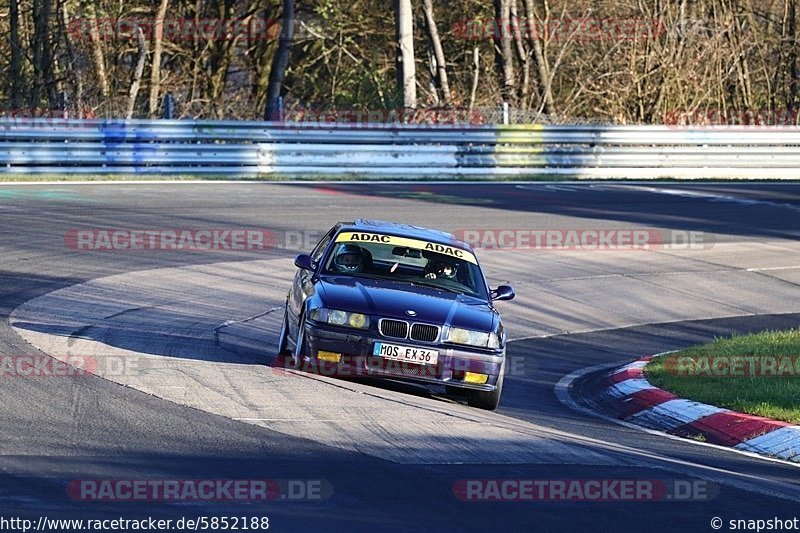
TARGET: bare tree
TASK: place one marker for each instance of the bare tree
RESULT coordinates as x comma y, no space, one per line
75,64
540,61
98,54
17,80
793,73
522,52
43,81
280,62
406,67
137,75
438,52
158,45
504,51
220,56
590,61
476,74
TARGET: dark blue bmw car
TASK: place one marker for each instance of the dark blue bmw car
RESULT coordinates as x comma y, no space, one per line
402,302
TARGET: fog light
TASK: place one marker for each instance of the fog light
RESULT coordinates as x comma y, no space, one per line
474,377
330,357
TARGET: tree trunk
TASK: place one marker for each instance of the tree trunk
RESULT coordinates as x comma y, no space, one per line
522,52
476,60
433,85
220,60
43,82
17,81
545,84
158,45
406,67
75,70
438,52
98,56
262,54
792,100
505,51
280,62
137,75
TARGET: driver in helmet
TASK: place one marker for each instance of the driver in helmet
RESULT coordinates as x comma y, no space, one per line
349,258
442,270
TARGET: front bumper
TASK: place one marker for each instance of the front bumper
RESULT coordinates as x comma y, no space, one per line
358,361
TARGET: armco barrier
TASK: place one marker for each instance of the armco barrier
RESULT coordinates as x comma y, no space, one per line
246,149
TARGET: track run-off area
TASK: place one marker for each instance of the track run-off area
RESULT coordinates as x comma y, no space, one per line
179,346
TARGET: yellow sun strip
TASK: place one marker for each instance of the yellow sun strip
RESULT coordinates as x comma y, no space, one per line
452,251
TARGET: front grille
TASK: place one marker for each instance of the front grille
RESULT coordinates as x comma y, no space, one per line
397,329
424,332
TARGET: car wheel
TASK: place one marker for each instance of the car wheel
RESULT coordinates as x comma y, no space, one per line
282,338
488,400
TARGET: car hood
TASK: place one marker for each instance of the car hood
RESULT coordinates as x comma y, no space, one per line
393,300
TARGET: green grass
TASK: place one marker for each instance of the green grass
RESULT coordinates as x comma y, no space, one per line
703,373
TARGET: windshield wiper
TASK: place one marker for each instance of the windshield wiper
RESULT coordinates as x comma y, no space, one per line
434,286
355,275
417,282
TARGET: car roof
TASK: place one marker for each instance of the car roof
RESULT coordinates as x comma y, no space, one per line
404,230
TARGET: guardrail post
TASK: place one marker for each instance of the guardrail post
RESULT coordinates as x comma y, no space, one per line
505,113
169,106
62,103
275,110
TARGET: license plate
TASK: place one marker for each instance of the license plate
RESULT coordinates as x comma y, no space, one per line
409,354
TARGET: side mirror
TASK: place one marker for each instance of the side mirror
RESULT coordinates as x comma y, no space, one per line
304,261
503,292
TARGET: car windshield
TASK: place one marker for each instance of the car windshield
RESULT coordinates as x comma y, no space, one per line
406,261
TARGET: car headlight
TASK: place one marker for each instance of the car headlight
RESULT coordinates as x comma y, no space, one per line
337,317
340,318
473,338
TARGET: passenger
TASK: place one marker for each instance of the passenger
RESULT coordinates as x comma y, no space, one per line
441,270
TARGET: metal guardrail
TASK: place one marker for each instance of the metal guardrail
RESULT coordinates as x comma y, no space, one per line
246,149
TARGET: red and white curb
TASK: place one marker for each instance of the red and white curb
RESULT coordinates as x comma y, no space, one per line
630,397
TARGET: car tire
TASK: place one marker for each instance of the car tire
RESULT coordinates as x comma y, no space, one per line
284,335
488,400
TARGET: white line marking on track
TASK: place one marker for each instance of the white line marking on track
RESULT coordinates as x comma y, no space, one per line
713,197
765,269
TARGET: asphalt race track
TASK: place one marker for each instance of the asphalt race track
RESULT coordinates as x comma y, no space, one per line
390,457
